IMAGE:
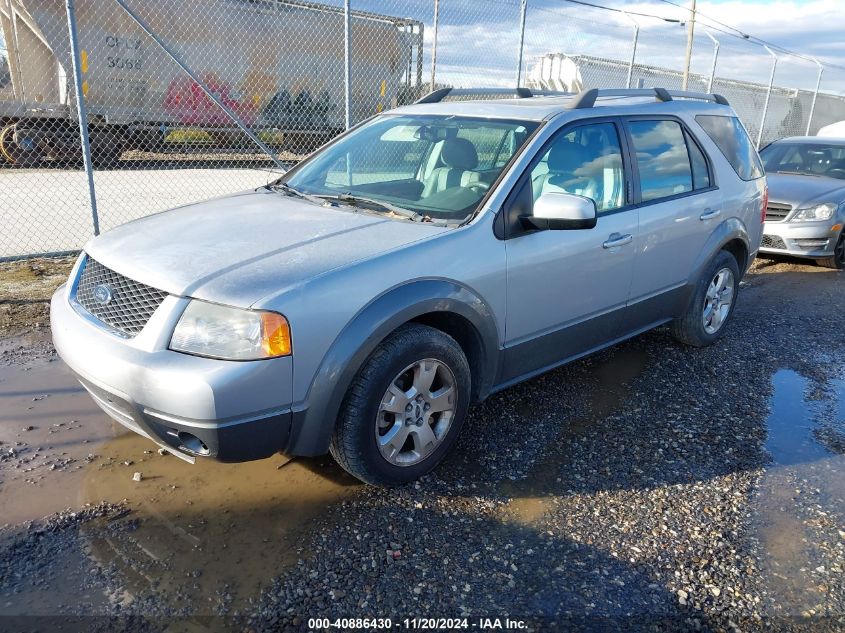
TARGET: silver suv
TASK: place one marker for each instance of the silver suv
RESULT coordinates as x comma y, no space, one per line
425,259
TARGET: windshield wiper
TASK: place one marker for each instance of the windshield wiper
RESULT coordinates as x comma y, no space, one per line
375,205
798,173
290,191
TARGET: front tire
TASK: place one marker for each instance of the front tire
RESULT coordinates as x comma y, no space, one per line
837,260
405,407
712,304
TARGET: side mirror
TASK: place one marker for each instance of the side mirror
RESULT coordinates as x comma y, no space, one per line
562,211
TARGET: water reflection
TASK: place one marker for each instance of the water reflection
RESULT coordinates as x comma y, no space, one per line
800,501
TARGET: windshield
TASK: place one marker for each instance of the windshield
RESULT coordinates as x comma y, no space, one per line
811,159
431,167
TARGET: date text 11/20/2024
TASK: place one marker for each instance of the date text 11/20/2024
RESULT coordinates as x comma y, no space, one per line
421,624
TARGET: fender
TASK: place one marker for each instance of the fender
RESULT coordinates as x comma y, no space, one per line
313,422
729,230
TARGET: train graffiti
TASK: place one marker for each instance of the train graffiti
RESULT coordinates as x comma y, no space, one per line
276,64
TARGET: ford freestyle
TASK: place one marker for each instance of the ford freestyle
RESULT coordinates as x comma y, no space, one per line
427,258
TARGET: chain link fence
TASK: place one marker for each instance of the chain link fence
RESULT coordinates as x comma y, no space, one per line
183,102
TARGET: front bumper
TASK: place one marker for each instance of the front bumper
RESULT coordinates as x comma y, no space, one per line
800,239
232,411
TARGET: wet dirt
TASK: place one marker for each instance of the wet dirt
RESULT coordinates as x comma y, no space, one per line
530,497
49,431
792,532
208,535
25,290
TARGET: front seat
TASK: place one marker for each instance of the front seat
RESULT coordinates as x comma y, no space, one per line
459,159
569,166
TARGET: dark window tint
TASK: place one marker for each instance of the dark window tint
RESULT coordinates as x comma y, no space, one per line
662,158
700,172
586,161
732,140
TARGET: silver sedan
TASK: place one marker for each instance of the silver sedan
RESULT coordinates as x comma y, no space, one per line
805,216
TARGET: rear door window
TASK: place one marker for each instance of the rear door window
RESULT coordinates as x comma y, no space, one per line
662,159
700,170
732,140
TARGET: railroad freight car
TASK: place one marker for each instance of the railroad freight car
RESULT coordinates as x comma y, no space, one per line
277,64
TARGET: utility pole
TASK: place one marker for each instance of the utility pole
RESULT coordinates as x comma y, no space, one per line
690,34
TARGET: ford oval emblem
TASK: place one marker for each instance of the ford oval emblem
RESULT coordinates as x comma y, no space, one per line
103,295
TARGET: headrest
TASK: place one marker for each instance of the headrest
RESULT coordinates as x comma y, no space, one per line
566,156
459,153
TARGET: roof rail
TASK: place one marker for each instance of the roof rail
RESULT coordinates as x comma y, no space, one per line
587,98
441,93
584,99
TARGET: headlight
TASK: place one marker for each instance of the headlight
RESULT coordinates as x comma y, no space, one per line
819,212
208,329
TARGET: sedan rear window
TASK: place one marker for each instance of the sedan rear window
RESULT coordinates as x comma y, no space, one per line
732,140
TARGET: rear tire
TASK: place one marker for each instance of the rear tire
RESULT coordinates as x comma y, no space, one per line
712,303
405,407
837,260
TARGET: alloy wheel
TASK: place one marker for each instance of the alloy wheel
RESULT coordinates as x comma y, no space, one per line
416,412
718,300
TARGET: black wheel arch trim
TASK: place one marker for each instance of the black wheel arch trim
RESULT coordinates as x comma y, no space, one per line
314,421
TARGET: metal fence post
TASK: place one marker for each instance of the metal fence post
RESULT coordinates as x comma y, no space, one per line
209,93
434,42
522,11
815,95
633,50
81,111
768,96
347,64
716,45
420,47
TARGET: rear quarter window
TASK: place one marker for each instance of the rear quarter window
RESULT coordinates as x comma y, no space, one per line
732,140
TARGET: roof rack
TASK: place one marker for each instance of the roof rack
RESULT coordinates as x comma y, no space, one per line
441,93
587,98
584,99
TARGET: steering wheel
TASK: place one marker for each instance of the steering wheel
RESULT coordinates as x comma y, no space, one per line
479,187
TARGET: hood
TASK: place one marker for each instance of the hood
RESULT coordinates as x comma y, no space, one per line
238,249
803,191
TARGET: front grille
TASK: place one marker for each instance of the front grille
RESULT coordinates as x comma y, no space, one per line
123,304
773,241
777,212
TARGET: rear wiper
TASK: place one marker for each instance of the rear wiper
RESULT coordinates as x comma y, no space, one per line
290,191
375,205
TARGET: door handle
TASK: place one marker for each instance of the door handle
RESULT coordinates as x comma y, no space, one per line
618,240
710,214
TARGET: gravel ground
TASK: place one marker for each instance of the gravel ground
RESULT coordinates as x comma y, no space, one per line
634,490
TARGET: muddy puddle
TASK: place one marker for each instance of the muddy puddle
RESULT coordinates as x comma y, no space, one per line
49,429
800,506
210,534
205,536
531,496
